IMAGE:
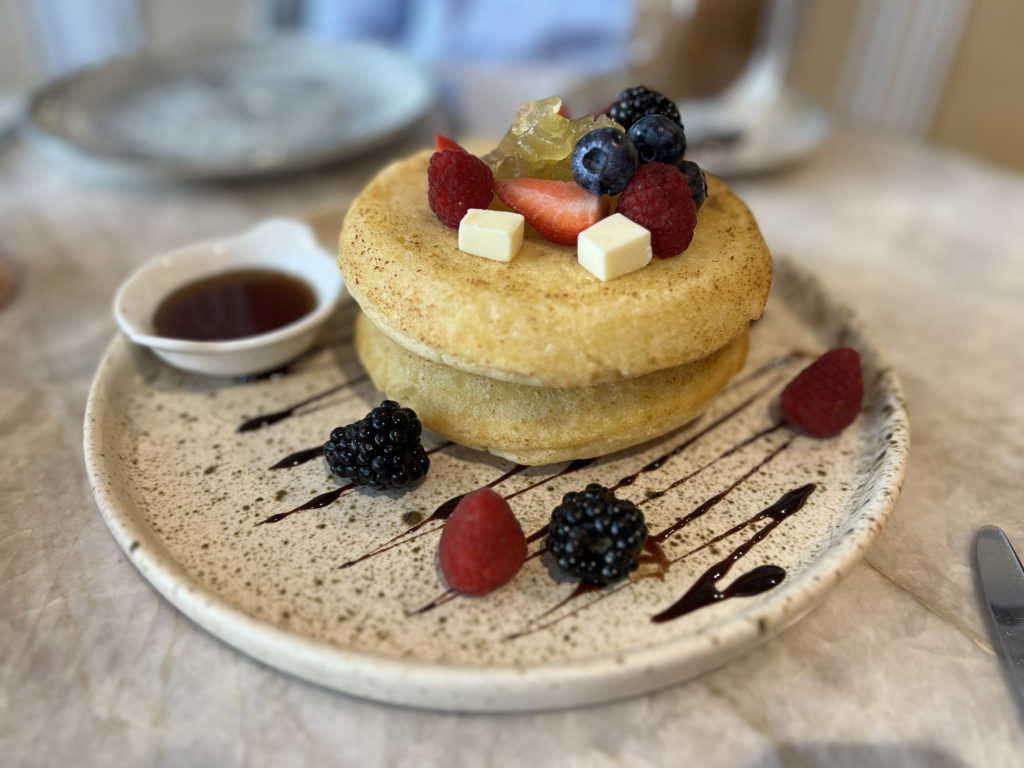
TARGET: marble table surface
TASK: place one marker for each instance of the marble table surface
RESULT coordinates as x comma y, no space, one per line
895,668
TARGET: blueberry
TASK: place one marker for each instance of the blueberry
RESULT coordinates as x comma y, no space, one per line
603,161
658,139
695,180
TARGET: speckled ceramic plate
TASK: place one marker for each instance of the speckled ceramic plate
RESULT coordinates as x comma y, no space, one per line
340,586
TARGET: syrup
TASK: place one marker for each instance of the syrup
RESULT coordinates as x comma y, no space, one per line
233,305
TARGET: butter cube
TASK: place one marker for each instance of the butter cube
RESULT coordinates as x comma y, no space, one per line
613,247
494,235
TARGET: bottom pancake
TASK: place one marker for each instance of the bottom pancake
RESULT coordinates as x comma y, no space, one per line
543,425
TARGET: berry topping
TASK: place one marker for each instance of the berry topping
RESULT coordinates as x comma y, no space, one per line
540,140
456,182
382,450
595,536
482,544
826,396
658,139
559,210
634,103
695,180
604,161
658,198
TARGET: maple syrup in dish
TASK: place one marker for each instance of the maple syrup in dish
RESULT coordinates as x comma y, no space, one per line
234,305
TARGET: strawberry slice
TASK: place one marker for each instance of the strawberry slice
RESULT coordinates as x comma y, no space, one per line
442,142
559,210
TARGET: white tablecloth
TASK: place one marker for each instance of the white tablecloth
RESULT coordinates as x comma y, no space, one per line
896,667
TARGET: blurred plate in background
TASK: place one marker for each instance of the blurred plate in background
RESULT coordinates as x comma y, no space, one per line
237,110
740,137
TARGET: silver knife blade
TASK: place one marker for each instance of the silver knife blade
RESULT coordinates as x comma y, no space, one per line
1002,582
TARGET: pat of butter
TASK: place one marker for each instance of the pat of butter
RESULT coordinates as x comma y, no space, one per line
613,247
494,235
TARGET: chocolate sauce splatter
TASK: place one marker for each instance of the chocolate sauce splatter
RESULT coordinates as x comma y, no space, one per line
654,554
711,502
317,502
446,596
629,479
572,466
772,365
445,509
705,591
659,462
299,457
582,588
267,419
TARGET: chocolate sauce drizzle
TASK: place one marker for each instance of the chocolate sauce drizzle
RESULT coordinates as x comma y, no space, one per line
705,590
444,597
442,513
299,457
629,479
653,552
317,502
656,464
321,501
267,419
445,509
711,502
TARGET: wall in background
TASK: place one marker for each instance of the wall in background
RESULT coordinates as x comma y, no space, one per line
980,106
982,110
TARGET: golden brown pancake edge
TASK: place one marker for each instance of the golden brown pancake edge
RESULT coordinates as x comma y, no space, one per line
542,425
542,319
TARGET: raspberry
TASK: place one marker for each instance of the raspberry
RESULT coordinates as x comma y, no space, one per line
658,198
826,396
482,544
595,536
456,182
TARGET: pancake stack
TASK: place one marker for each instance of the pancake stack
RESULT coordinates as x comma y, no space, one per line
536,360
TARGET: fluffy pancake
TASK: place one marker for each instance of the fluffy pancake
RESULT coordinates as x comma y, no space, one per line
542,319
541,425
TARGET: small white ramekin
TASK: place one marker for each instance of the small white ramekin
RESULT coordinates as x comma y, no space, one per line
284,245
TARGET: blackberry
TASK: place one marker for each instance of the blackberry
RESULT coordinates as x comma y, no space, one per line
595,536
382,450
603,161
634,103
695,180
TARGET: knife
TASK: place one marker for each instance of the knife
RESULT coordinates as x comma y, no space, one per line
1002,582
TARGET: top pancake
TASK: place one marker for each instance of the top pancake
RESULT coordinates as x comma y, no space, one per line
542,319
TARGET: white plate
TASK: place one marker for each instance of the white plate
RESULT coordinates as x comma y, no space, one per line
742,139
236,110
183,492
